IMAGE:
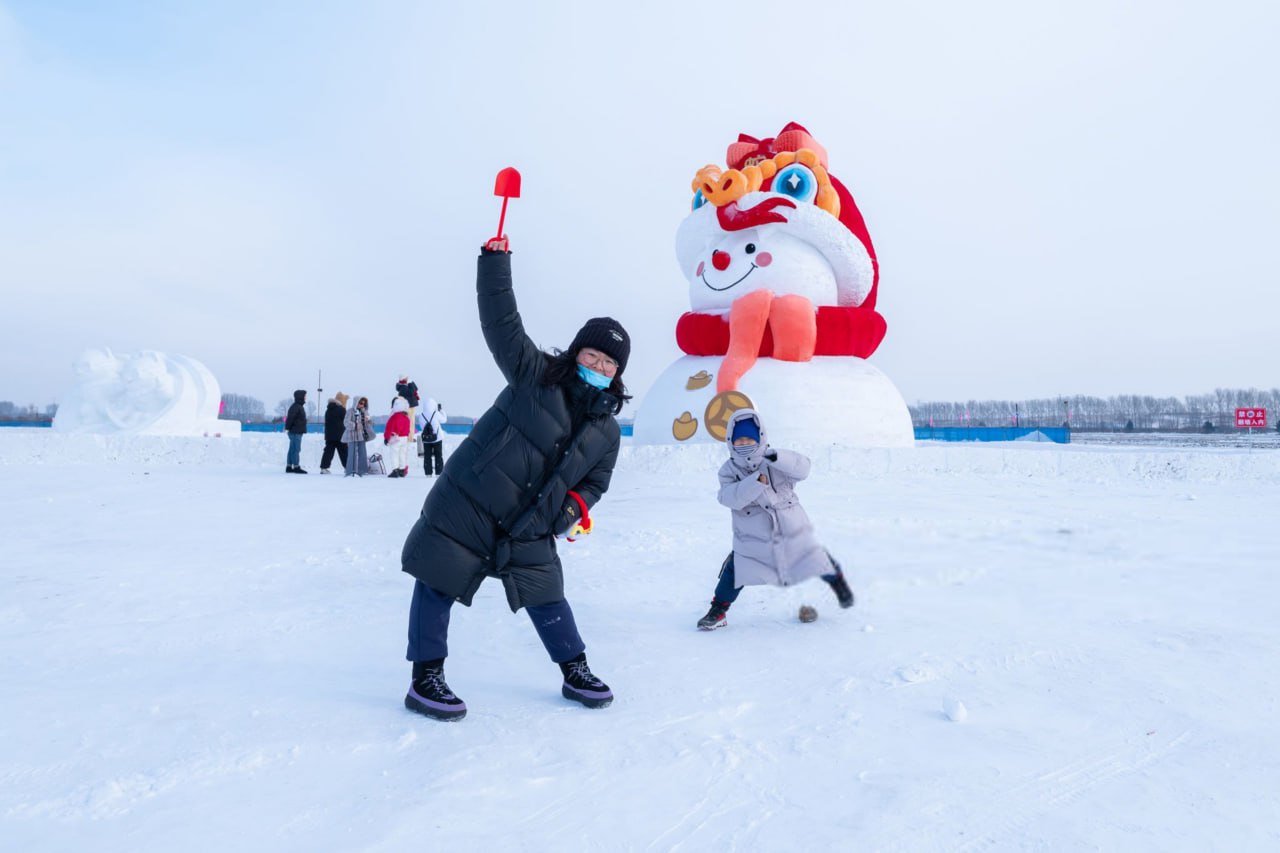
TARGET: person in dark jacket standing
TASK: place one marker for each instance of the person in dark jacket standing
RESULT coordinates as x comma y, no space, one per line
544,449
409,390
295,424
334,416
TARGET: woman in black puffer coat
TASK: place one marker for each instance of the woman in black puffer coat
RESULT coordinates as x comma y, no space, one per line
504,495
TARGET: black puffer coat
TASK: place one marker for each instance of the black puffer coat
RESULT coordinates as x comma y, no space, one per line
408,390
334,416
491,513
296,419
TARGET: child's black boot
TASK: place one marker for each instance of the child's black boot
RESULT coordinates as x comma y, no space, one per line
839,585
581,685
430,695
717,616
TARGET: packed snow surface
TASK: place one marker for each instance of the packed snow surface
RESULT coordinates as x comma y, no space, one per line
1053,647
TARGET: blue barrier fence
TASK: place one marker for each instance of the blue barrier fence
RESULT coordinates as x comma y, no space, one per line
1057,435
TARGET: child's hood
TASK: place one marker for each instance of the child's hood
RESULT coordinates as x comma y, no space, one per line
742,415
400,405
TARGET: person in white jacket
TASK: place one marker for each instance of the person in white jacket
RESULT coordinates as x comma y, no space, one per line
431,420
396,436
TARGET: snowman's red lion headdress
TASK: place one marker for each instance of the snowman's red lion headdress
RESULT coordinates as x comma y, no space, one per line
782,184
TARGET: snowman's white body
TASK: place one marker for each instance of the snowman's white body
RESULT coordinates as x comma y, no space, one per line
837,399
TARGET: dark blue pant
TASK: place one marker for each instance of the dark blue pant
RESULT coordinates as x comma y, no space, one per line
294,455
429,626
727,589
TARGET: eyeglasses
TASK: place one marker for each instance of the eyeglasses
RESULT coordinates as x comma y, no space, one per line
597,360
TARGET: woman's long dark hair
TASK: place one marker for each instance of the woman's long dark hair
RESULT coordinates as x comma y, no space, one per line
562,367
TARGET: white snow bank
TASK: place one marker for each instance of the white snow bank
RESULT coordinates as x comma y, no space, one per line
32,446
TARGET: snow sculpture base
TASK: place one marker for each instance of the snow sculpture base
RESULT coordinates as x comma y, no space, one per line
837,399
143,393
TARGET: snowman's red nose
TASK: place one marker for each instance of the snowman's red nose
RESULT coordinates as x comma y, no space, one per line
720,260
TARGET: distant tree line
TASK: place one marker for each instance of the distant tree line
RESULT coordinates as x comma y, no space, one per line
242,407
1197,413
12,412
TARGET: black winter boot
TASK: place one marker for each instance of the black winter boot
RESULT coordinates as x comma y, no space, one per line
581,686
717,616
430,695
839,586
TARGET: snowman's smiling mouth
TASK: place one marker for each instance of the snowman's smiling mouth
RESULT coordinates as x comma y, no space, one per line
703,276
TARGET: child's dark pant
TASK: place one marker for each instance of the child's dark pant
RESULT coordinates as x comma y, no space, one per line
727,589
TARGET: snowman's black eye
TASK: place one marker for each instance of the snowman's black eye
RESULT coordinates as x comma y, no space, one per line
751,248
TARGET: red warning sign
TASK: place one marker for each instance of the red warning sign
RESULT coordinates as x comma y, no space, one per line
1251,418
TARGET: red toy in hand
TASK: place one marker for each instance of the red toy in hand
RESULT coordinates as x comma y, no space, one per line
582,526
507,185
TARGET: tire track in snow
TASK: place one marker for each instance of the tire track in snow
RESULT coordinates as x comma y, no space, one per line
1065,784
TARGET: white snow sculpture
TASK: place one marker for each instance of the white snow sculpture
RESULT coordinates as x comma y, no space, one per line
142,393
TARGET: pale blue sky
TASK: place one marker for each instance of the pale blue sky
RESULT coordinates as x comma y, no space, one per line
1066,197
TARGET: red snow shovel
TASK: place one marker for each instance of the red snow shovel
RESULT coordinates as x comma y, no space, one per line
508,186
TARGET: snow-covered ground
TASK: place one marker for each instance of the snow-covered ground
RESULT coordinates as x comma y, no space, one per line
203,653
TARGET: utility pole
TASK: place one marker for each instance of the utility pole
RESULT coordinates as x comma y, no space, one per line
319,391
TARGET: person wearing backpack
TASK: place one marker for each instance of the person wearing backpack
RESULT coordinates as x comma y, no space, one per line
431,419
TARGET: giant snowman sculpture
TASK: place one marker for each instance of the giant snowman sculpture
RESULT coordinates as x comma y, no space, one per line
782,282
142,393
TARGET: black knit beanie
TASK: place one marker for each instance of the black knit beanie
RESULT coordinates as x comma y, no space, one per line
607,335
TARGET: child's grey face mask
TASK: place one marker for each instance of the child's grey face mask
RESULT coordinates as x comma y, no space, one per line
747,456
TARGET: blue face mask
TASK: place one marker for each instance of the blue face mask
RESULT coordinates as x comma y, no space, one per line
595,380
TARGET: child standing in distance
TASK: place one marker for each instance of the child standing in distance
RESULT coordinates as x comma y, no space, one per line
773,539
396,437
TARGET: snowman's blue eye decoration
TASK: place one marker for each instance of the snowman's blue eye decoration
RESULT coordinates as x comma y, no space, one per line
797,182
698,200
